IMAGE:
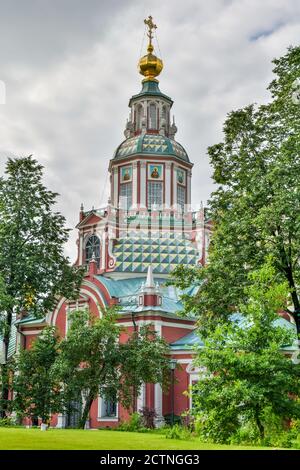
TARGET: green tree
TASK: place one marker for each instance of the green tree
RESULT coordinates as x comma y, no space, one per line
256,206
33,267
89,361
37,391
143,360
246,372
93,362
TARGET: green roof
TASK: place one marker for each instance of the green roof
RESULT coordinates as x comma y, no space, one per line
188,341
151,144
150,88
164,254
192,339
12,341
126,290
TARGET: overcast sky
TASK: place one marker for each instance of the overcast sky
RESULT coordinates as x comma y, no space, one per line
70,67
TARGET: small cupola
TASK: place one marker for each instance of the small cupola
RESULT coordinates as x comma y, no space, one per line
150,294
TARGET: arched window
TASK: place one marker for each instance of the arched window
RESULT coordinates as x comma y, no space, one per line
139,115
152,116
92,247
164,113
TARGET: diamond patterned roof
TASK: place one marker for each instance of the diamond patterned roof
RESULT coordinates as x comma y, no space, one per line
164,254
151,144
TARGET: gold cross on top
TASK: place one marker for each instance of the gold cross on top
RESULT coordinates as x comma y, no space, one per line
151,26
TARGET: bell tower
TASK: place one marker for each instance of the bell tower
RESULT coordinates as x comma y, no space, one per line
150,169
148,220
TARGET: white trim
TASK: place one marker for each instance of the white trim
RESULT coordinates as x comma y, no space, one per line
174,186
58,307
160,323
183,351
134,184
113,420
102,250
143,166
95,289
158,328
158,400
168,184
184,361
189,187
32,332
80,248
141,399
115,183
195,373
92,296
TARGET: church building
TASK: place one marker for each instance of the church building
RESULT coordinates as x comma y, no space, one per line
130,247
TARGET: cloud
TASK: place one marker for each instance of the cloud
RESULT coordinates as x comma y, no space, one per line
70,67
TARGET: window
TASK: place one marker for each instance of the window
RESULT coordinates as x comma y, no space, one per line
181,196
108,407
139,115
155,191
126,195
92,247
152,117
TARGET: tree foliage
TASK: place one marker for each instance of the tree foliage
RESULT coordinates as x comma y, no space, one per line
93,362
33,268
144,360
35,385
89,360
256,206
246,371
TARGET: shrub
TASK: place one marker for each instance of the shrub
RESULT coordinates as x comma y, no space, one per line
133,425
247,435
168,419
188,421
148,416
178,432
6,422
216,430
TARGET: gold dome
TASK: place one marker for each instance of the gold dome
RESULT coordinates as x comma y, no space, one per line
149,65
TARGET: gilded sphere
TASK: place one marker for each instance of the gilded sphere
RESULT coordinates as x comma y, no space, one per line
149,65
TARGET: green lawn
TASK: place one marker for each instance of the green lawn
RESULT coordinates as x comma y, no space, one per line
22,438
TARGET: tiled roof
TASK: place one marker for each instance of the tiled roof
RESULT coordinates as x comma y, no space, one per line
164,254
189,341
12,342
192,340
126,290
150,88
151,144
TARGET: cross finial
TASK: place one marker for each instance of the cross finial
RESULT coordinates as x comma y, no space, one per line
151,26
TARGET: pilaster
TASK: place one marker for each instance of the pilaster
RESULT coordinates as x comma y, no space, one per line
143,184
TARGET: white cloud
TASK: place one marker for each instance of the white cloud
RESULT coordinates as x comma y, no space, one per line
70,69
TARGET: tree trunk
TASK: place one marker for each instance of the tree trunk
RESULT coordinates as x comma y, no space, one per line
287,269
134,399
4,367
86,409
4,390
259,425
295,298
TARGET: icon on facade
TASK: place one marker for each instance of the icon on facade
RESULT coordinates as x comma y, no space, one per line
180,176
126,174
155,172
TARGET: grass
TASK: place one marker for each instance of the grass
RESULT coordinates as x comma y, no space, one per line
76,439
